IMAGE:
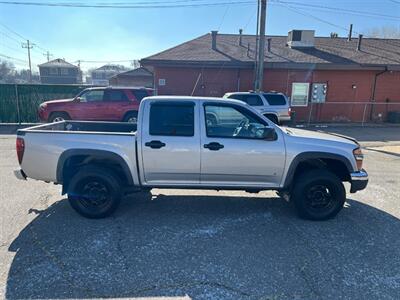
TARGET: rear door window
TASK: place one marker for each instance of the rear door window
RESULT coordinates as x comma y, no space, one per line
275,99
92,96
172,119
115,96
140,94
252,100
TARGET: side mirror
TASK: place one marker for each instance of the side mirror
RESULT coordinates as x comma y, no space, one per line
269,134
78,99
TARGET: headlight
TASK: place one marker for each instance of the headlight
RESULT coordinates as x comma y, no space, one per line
43,105
359,156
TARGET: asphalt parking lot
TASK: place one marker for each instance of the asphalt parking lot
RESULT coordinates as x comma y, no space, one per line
200,244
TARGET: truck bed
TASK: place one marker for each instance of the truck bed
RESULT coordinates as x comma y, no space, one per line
46,143
85,127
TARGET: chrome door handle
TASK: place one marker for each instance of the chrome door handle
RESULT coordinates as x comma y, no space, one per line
155,144
214,146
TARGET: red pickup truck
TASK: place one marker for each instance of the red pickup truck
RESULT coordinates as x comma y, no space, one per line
96,104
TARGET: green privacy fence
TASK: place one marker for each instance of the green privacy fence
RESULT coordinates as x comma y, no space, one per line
19,102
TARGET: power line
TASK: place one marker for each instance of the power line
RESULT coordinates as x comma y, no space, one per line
296,10
10,37
223,17
336,9
11,30
250,18
122,5
13,58
11,48
19,35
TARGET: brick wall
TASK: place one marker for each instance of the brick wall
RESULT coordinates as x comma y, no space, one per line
343,86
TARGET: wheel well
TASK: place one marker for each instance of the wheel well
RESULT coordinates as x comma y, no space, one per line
128,113
73,163
58,112
335,166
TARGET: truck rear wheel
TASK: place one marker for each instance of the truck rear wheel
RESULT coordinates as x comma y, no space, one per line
94,192
318,195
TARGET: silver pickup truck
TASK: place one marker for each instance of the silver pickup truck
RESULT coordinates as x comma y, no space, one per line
173,146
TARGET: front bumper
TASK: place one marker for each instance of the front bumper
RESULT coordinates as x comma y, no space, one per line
359,181
20,174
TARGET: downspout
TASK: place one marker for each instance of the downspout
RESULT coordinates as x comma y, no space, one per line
238,80
371,113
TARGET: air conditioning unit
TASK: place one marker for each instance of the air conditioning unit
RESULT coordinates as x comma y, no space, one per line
301,38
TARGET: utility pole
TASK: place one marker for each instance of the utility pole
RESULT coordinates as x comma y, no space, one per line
29,46
48,55
258,85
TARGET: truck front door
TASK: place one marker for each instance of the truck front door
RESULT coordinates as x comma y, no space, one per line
234,150
170,143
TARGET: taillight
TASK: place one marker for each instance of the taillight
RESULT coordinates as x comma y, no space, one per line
289,111
359,156
20,146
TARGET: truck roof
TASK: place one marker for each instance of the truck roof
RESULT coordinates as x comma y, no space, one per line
194,98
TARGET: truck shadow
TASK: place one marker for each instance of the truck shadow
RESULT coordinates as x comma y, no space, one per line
206,247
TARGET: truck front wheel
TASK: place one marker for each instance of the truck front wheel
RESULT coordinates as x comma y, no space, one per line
94,192
318,195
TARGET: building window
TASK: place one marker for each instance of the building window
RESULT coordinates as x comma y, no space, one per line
64,71
53,71
161,82
300,93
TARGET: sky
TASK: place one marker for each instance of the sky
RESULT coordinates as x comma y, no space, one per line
124,34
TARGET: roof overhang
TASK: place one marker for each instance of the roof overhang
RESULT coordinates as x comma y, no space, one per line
268,65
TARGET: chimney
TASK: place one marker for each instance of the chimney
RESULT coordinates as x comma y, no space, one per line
214,39
240,37
269,44
359,42
350,32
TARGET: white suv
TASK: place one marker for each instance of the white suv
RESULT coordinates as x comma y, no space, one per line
273,105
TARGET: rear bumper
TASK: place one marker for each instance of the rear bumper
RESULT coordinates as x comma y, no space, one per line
359,181
20,174
284,118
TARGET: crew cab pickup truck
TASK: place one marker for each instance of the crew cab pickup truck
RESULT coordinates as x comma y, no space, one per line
173,146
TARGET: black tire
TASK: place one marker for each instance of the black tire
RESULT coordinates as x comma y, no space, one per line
318,195
58,116
131,117
94,192
273,118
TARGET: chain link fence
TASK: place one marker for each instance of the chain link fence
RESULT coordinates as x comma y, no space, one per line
19,102
348,112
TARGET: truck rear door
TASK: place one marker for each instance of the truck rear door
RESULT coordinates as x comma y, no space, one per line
170,143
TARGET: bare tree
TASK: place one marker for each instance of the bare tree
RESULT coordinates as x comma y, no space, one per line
6,70
388,32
